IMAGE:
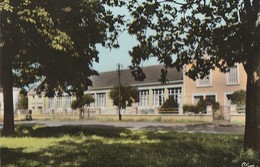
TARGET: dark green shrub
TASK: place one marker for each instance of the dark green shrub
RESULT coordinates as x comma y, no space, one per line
239,98
203,103
170,103
190,108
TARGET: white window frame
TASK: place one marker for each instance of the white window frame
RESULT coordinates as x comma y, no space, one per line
228,82
176,93
101,99
143,98
204,96
59,103
51,103
68,102
206,79
158,97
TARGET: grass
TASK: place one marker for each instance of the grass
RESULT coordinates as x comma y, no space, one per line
99,146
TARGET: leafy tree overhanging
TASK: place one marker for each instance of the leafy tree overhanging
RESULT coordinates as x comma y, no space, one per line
206,34
53,41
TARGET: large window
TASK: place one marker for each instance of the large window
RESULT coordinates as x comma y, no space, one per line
175,93
197,98
158,97
143,97
59,102
51,103
204,82
101,99
232,75
67,102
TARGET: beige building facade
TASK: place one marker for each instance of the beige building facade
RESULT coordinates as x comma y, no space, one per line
16,92
217,85
152,93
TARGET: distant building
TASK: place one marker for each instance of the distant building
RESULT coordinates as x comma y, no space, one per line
152,93
217,86
16,92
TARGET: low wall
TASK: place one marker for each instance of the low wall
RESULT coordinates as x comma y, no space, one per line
60,116
238,118
159,117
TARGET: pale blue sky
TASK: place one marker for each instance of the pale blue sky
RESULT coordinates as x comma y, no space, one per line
109,58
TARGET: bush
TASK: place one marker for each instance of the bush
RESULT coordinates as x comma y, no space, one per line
203,103
81,102
170,103
190,108
169,106
239,97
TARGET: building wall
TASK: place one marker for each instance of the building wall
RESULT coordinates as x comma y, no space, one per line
16,92
39,104
109,108
219,86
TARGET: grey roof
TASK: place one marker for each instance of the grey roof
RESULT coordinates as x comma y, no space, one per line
153,74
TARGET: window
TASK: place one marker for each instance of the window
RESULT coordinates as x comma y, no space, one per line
143,97
232,75
211,97
101,99
197,98
175,93
206,81
51,103
59,102
158,97
67,102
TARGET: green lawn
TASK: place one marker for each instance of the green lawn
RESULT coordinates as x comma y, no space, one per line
97,146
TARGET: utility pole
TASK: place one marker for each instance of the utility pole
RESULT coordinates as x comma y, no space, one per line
119,91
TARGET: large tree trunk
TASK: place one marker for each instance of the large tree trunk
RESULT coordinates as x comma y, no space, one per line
252,127
7,84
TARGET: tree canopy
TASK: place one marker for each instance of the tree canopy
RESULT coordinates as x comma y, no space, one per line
83,101
128,96
205,34
52,41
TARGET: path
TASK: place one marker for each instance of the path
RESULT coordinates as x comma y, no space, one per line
224,128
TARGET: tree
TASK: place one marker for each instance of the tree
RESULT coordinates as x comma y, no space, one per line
82,102
22,101
128,96
239,98
170,103
206,34
52,41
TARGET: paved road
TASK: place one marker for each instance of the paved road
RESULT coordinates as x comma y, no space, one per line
219,127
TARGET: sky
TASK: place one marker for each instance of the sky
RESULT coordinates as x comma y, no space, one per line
108,59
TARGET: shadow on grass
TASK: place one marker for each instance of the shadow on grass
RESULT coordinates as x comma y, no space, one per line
99,146
70,130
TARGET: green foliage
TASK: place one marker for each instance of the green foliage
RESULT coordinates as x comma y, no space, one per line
22,102
203,103
191,108
109,146
128,96
80,102
206,34
169,105
55,40
239,97
201,106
